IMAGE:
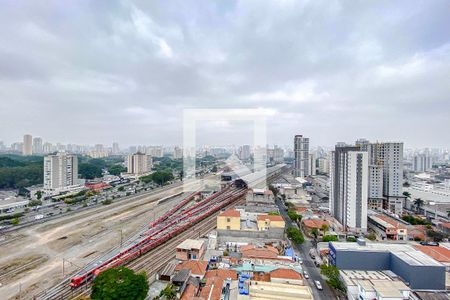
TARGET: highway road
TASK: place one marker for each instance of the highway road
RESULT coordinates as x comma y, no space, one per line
303,251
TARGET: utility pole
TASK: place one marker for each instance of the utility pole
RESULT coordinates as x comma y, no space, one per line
63,266
121,238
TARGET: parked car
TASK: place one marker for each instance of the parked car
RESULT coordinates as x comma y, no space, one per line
318,285
305,274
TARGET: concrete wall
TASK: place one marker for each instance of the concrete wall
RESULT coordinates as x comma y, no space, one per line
367,261
419,277
233,222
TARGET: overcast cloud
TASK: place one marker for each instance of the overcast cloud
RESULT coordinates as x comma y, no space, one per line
100,71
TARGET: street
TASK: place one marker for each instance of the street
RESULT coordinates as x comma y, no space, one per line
308,264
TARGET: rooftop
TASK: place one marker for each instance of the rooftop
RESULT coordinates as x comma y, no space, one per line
285,274
197,267
190,244
315,223
272,218
440,254
405,252
230,213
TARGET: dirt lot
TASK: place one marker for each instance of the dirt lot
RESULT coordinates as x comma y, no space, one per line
31,259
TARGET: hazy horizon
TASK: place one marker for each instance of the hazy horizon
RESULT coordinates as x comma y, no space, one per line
97,72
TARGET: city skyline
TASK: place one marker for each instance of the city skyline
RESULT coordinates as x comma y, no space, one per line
124,72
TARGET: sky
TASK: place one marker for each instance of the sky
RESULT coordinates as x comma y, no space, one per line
91,72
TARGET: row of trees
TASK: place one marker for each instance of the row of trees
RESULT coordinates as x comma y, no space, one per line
158,177
295,235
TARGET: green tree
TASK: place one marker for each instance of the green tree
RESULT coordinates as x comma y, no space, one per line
330,238
294,216
315,232
324,228
35,203
38,195
121,188
332,273
168,292
116,169
372,236
418,203
407,194
295,235
15,221
89,170
120,283
273,213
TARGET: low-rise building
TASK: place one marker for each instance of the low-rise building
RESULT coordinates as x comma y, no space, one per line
197,268
229,220
190,249
388,227
404,260
265,222
369,285
316,224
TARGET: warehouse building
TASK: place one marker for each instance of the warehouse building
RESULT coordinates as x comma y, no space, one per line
416,268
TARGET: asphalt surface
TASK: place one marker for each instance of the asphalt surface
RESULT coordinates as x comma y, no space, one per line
308,264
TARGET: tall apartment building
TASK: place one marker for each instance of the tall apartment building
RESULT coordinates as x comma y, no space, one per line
323,165
115,148
139,163
385,174
312,164
422,162
301,156
244,152
349,187
177,153
37,146
60,171
27,147
392,157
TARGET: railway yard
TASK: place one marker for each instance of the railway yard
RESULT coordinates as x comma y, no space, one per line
33,259
59,258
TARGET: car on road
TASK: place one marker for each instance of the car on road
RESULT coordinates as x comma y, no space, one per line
318,285
305,274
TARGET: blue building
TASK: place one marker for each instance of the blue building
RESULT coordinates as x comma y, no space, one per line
414,267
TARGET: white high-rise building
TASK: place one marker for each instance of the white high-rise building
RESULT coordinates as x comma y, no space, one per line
139,163
60,171
422,162
48,148
177,153
386,174
244,152
301,156
312,164
349,187
37,146
324,165
115,148
27,147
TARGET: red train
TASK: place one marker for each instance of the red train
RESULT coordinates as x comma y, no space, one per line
204,208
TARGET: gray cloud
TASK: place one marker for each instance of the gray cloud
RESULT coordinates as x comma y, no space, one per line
98,71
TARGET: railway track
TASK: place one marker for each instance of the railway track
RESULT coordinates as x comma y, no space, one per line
150,262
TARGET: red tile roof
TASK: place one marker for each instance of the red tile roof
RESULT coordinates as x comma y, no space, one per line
212,289
230,213
270,217
440,254
391,221
314,223
222,273
189,292
251,251
197,267
446,225
285,274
